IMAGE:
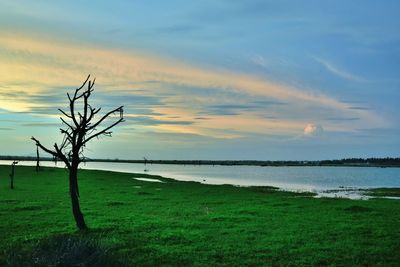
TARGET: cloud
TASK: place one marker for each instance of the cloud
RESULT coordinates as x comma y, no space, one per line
259,61
41,124
338,71
268,102
228,109
143,111
359,108
158,89
312,129
240,108
170,137
119,67
45,111
342,119
149,121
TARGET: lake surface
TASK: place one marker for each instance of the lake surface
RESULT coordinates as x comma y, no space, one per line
313,179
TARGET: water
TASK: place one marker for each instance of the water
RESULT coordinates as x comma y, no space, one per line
314,179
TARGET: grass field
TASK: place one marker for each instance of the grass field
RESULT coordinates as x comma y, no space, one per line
175,223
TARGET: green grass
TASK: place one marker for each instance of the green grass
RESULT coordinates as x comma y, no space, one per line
384,192
137,223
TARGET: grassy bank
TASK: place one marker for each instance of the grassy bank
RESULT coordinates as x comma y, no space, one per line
182,223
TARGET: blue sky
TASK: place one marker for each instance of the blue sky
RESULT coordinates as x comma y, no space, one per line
207,80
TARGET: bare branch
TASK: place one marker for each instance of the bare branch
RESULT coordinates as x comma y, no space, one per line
93,112
64,142
62,156
71,107
91,84
65,114
66,123
44,148
58,153
120,110
72,101
83,84
67,135
104,131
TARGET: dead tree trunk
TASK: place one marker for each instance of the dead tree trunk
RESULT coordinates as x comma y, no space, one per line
74,193
12,174
37,159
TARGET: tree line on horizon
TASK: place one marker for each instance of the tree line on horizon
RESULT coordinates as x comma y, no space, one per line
387,161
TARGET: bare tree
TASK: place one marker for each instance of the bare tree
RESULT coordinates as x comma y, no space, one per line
80,127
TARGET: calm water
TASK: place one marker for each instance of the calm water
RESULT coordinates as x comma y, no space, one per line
316,179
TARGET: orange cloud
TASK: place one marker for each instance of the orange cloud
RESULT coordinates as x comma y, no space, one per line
43,64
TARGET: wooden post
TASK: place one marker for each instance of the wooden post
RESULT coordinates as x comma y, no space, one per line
12,174
37,159
145,162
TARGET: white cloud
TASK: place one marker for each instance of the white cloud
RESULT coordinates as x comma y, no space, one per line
338,71
259,60
312,129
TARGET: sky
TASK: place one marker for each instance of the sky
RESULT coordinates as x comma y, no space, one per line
211,79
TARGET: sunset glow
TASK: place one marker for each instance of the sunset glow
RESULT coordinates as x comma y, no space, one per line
190,80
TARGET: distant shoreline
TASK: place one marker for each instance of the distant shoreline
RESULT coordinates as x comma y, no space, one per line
350,162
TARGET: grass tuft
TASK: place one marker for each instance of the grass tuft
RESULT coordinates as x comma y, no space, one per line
60,251
115,203
358,209
27,208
